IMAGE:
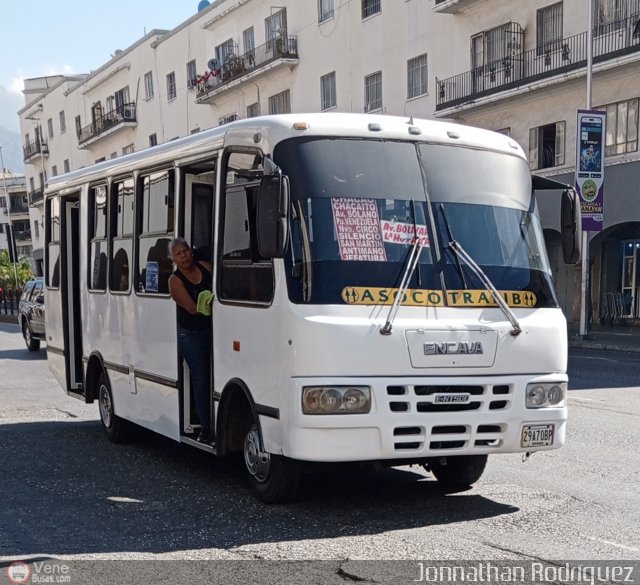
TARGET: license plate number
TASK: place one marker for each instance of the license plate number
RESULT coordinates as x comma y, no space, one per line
537,435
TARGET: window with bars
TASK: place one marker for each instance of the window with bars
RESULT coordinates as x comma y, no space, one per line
547,146
371,7
489,46
610,15
171,87
417,78
621,127
328,91
280,103
325,10
148,85
253,110
373,92
192,74
549,28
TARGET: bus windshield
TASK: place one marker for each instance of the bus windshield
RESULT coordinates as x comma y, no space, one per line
359,205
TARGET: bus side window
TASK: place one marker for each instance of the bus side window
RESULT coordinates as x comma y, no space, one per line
156,201
98,209
244,274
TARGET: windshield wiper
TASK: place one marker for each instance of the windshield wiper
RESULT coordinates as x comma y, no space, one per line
486,281
451,239
307,287
412,262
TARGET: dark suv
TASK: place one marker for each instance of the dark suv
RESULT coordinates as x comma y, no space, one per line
31,313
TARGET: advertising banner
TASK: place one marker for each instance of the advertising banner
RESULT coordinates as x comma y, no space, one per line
590,142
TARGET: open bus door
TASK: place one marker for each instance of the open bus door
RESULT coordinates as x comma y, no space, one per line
64,327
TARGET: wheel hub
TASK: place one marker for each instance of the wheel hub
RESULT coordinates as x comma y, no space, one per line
257,461
106,407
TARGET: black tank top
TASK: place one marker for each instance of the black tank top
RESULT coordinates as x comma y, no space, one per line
185,319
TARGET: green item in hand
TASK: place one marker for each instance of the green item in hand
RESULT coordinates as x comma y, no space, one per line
205,299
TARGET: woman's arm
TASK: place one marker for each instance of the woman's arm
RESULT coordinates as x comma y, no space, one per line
180,295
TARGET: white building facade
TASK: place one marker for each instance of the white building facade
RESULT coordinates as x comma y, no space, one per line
516,67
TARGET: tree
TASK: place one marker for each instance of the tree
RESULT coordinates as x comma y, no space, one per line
7,274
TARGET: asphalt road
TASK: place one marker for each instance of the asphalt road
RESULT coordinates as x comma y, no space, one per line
69,494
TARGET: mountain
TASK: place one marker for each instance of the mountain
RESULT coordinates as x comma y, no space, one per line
11,150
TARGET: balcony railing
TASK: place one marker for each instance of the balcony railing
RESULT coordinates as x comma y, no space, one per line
19,207
121,116
22,235
610,41
238,66
35,148
36,196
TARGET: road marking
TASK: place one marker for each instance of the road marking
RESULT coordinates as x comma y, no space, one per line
624,546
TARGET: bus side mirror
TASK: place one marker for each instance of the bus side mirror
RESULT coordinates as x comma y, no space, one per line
570,230
273,215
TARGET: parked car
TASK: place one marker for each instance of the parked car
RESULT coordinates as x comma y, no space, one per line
31,313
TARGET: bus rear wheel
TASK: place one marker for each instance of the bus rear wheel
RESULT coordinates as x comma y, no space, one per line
459,473
117,430
273,478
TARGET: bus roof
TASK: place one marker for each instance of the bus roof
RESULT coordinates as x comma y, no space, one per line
267,131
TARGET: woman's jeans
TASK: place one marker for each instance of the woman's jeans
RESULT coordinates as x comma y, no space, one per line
195,347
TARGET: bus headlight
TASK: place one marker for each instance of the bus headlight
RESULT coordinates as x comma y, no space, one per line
336,399
541,395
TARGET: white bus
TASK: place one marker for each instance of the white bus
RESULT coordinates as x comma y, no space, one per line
382,294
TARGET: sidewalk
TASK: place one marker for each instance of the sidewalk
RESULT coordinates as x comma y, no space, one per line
616,338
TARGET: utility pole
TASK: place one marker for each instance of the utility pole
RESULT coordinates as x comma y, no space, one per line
11,236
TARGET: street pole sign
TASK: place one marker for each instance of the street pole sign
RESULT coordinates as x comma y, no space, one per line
590,141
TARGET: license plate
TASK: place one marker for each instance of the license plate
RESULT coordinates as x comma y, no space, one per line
537,435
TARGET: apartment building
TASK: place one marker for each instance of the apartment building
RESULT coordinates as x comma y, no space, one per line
515,67
14,212
524,72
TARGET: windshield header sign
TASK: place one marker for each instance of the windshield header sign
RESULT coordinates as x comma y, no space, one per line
360,295
590,142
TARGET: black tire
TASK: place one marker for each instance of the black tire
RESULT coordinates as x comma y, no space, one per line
273,478
117,429
31,343
457,474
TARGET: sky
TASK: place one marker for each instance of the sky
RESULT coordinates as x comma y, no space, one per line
39,37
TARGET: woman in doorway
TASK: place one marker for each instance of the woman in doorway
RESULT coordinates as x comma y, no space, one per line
186,284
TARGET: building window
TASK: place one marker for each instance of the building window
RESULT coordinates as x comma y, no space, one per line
417,81
63,122
549,28
153,139
249,43
155,231
192,74
121,98
622,127
32,185
54,171
78,123
148,85
608,12
253,110
280,103
224,51
275,26
373,92
370,7
171,87
98,238
328,91
128,149
546,146
114,155
193,131
505,131
227,119
65,165
325,10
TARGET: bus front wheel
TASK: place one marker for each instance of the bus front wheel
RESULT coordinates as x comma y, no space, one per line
273,478
116,429
459,473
